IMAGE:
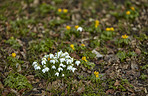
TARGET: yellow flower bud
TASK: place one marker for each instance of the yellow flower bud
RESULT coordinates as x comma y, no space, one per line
72,46
132,8
84,58
13,54
107,29
128,12
65,10
59,10
124,36
112,29
77,26
83,45
68,27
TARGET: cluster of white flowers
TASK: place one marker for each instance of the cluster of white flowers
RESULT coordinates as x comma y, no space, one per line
58,64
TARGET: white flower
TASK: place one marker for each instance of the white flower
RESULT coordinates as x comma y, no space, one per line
62,65
37,68
68,61
66,53
44,59
45,70
77,63
57,74
53,67
80,29
62,60
34,63
51,56
63,55
60,69
59,53
46,56
55,58
71,60
56,61
52,61
73,69
67,57
69,68
43,62
44,66
62,75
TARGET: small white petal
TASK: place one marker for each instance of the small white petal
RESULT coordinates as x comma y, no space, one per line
69,68
71,60
66,53
46,56
63,75
77,63
43,62
57,74
43,71
52,61
80,29
68,61
37,68
34,63
73,69
47,69
62,60
51,56
60,69
53,67
59,53
44,59
67,57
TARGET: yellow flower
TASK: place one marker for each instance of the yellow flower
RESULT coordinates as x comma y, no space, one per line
13,55
133,8
72,46
65,10
112,29
96,73
128,12
97,23
124,36
48,59
83,45
107,29
68,27
97,76
77,26
84,58
59,10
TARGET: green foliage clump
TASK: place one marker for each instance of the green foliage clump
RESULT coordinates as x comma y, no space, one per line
42,46
123,55
13,42
17,81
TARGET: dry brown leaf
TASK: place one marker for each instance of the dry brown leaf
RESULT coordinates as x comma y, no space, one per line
116,83
110,91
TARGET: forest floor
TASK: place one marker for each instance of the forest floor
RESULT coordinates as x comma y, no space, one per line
108,37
